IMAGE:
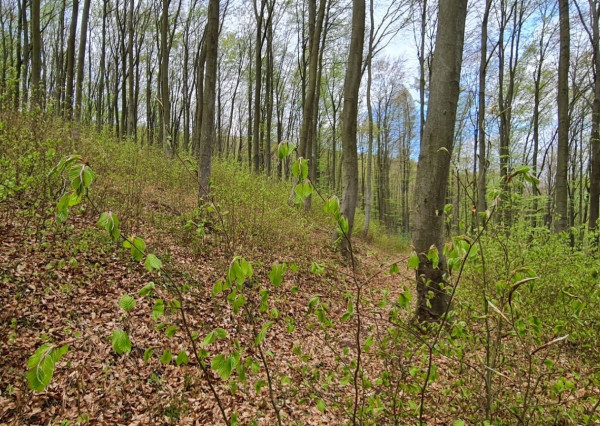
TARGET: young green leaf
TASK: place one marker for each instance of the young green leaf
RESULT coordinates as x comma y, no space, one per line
158,309
120,342
413,261
182,358
41,365
222,365
276,274
263,332
166,357
147,290
170,331
148,354
127,303
152,263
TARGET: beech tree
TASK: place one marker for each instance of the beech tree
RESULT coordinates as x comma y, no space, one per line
561,195
207,131
349,118
434,161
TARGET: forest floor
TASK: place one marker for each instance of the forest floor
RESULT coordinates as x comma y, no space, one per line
64,286
61,284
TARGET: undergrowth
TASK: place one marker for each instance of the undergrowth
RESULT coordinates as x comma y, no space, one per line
277,316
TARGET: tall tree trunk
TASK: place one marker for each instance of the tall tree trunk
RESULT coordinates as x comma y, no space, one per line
100,104
483,62
349,119
36,54
561,190
434,160
165,116
36,58
423,4
595,134
81,59
207,132
257,83
369,191
131,103
308,128
70,75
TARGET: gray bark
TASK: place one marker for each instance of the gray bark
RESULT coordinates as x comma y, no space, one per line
434,160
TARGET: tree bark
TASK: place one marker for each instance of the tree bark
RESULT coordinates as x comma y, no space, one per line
70,80
483,62
349,120
81,59
36,54
207,132
561,189
434,160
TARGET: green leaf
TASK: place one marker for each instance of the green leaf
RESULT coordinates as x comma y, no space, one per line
404,299
127,303
286,380
147,290
321,405
263,332
110,223
222,365
62,208
182,358
239,301
394,269
41,365
120,342
433,256
166,357
259,385
152,263
170,331
158,309
276,274
413,261
217,288
368,344
148,354
316,268
137,248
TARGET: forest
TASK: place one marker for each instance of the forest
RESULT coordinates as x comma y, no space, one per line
269,212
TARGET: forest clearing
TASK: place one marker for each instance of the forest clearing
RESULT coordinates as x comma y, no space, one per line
300,212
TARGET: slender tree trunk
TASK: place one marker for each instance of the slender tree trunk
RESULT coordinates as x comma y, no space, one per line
434,160
81,59
36,54
131,102
165,116
70,80
369,191
208,110
483,62
257,84
561,191
349,119
595,136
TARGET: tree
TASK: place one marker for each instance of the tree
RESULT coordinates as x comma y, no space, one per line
434,161
36,53
349,119
483,63
81,58
207,131
165,115
71,60
561,191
